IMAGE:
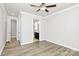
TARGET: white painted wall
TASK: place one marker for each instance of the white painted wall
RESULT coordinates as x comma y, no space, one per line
27,27
2,27
62,28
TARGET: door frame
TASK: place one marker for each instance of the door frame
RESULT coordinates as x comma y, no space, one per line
9,18
33,29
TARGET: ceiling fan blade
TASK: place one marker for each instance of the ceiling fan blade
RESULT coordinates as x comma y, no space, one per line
38,10
34,6
46,10
51,6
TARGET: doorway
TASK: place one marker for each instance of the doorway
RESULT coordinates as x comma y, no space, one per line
14,42
36,30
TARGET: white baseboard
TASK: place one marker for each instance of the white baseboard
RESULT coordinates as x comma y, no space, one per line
1,50
22,43
63,45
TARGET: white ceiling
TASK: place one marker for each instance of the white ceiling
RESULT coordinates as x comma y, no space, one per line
15,8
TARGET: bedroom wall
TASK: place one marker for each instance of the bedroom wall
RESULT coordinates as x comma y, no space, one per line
62,28
3,18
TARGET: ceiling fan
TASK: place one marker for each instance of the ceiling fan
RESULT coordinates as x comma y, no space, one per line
43,7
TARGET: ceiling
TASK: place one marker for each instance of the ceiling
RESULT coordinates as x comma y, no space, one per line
14,8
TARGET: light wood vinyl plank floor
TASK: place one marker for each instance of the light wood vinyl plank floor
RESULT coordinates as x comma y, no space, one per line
39,48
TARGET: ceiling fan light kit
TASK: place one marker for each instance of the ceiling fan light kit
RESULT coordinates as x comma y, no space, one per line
42,8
